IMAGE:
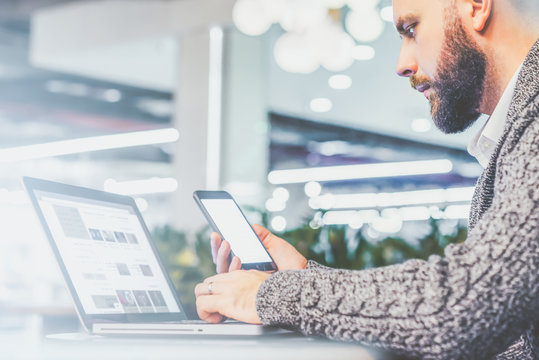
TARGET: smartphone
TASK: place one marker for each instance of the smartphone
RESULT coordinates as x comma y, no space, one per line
226,218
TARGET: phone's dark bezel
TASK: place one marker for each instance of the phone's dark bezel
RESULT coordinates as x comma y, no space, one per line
205,194
33,184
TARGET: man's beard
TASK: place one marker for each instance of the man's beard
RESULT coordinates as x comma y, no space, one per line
457,91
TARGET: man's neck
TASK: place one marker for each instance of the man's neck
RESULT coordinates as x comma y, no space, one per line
504,60
506,43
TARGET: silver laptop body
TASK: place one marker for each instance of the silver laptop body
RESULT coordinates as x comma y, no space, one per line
111,265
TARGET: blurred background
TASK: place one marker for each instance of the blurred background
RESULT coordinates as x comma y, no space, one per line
293,106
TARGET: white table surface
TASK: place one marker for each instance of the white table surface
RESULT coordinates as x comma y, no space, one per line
82,346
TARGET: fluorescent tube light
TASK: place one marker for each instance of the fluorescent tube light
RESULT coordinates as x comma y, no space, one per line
384,200
341,217
414,213
364,171
138,187
96,143
408,213
457,212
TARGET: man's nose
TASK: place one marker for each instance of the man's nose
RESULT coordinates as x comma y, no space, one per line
406,66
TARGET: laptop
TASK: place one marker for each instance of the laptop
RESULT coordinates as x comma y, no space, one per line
111,266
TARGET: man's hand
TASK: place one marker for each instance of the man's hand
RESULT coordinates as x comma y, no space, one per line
231,295
285,255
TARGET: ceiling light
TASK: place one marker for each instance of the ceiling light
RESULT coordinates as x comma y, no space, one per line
274,205
387,225
415,213
364,171
355,219
335,47
68,88
96,143
302,15
334,4
385,200
321,105
250,17
364,25
145,186
363,52
355,223
293,53
326,201
156,107
362,4
142,204
281,194
386,13
112,95
276,10
313,188
338,217
457,212
340,82
421,125
278,223
332,148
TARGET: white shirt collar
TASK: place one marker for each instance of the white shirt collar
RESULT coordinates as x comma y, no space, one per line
483,144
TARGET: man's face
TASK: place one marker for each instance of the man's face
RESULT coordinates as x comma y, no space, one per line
441,60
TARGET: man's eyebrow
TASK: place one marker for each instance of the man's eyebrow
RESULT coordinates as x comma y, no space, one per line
405,19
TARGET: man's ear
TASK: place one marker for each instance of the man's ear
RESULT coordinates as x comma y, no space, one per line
480,12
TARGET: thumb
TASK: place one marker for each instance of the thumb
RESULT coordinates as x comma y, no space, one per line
263,234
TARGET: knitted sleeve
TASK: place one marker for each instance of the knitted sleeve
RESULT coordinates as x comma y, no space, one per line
470,304
314,265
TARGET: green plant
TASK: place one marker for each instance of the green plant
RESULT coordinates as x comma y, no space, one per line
187,264
334,246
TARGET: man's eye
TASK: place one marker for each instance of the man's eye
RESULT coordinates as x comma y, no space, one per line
410,31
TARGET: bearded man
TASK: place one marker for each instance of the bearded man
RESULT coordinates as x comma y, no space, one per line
481,299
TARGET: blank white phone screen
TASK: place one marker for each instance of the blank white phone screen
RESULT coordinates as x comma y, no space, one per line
236,230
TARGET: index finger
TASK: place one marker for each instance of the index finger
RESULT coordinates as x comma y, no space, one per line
215,241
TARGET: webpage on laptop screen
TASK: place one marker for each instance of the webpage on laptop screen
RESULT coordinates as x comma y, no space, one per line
107,256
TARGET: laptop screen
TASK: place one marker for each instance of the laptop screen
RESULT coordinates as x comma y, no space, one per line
107,255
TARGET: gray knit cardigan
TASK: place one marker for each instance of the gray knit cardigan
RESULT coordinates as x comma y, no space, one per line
479,301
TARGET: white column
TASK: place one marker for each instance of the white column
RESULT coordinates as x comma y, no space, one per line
245,125
231,154
198,119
